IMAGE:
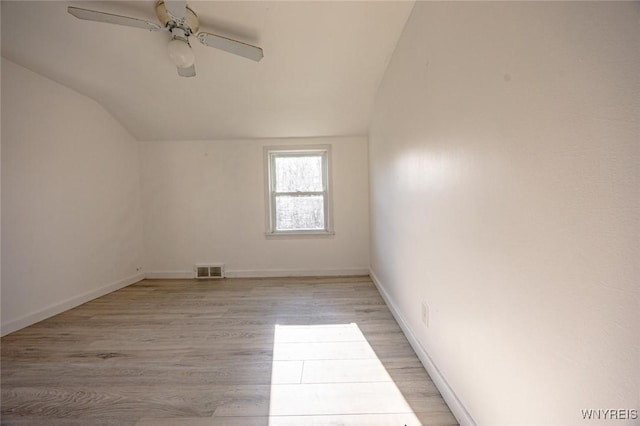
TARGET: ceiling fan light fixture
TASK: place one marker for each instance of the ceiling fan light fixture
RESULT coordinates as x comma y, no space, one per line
180,53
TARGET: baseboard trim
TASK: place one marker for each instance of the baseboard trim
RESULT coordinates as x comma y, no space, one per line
65,305
450,397
281,273
170,275
256,273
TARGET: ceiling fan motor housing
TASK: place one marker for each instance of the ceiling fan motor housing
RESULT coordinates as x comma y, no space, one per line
189,24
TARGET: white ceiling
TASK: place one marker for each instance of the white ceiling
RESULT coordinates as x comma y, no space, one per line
322,65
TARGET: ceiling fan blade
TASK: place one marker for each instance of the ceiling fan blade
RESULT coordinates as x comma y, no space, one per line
187,72
232,46
109,18
176,8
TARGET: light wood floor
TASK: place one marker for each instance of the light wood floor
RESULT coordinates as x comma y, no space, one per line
267,352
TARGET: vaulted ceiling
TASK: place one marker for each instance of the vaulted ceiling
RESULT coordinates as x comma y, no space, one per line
323,62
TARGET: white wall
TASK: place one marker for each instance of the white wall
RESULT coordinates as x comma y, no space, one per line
505,167
204,201
71,218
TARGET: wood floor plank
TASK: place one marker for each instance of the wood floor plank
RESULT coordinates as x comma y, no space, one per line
247,352
396,419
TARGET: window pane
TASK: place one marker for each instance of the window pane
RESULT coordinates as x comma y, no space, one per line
298,173
299,212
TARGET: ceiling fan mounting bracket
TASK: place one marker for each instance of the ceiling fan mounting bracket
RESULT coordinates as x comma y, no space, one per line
189,24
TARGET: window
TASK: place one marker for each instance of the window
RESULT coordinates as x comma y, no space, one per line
298,190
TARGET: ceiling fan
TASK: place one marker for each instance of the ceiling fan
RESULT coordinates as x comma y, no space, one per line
177,18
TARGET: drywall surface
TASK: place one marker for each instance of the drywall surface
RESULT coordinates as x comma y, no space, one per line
71,212
204,202
504,176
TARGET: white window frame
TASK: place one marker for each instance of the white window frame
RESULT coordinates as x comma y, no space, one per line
270,153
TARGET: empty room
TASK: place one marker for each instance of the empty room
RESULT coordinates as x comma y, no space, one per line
320,213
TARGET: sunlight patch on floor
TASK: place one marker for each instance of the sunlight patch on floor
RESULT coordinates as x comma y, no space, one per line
330,375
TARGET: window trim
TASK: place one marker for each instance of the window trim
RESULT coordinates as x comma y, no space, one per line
270,152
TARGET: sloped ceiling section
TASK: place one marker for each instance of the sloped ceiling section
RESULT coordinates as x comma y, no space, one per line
322,66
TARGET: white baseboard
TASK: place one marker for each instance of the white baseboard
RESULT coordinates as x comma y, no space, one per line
56,308
266,273
456,406
170,275
276,273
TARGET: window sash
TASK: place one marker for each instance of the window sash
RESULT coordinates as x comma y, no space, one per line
299,230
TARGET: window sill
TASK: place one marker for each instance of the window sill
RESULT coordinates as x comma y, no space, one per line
299,234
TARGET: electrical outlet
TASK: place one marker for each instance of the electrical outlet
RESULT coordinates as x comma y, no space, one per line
425,314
